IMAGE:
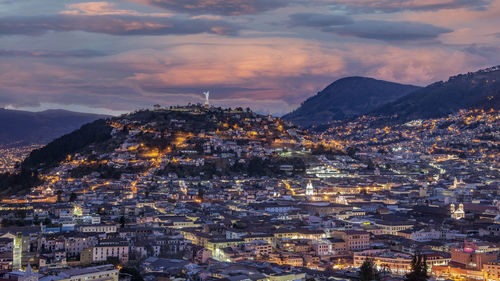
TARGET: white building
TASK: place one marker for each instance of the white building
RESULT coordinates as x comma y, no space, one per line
101,273
322,247
105,250
457,213
310,189
99,228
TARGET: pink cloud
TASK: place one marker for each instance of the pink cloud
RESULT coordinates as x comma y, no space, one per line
401,5
269,74
218,7
103,8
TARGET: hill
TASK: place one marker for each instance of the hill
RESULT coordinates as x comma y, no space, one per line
39,127
161,144
477,90
347,98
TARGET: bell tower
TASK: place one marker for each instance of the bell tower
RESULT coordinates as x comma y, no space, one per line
309,189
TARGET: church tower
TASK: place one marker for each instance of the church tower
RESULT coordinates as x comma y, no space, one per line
309,189
458,213
29,275
17,252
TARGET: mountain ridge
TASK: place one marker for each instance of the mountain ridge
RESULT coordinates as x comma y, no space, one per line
351,97
473,90
347,97
40,127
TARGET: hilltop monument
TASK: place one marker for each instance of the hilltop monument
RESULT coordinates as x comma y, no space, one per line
207,95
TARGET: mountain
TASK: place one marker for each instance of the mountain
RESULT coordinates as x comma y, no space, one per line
347,98
479,89
39,127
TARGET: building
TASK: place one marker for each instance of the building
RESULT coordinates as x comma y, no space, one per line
322,247
457,213
393,227
76,244
101,273
98,228
17,254
355,240
492,270
105,250
422,235
310,189
397,263
472,256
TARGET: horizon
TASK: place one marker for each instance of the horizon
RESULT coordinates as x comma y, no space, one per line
114,56
96,112
112,113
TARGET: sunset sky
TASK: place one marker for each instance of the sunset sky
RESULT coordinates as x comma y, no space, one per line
270,55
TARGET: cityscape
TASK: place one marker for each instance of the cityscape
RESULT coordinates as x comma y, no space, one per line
114,167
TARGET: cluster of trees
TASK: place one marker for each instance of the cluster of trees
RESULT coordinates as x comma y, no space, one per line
105,171
133,272
56,151
18,182
208,170
22,222
51,154
369,272
258,167
321,149
162,118
255,167
418,269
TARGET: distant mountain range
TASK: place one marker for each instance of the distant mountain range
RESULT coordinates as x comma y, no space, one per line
354,96
347,98
39,127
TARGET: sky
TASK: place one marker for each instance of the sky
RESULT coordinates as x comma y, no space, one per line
270,55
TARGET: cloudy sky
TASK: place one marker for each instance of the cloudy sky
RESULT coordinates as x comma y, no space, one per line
119,55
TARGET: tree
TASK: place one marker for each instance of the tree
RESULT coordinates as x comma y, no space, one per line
368,272
72,197
134,273
351,151
201,194
370,166
418,269
113,260
123,220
